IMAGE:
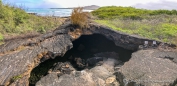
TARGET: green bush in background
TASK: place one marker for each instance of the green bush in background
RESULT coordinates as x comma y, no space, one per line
112,12
14,20
153,24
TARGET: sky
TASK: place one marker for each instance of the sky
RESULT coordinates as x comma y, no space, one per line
147,4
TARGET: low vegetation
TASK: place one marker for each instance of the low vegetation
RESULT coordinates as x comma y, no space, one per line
16,78
112,12
79,18
14,20
154,24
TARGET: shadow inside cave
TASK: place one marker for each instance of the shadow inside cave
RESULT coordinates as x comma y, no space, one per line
84,48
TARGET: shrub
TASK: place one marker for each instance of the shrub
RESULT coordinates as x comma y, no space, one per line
14,20
158,28
112,12
80,18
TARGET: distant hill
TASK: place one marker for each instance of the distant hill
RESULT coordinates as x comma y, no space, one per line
92,7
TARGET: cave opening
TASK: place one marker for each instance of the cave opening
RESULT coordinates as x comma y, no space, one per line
81,55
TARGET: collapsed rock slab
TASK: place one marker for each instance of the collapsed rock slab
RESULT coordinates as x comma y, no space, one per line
97,76
67,80
149,68
17,59
126,41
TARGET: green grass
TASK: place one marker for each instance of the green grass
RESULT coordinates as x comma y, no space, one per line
14,20
153,24
16,78
112,12
162,31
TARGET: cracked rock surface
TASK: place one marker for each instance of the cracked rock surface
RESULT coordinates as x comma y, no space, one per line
149,68
19,57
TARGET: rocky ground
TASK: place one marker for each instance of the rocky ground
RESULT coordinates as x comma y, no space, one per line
116,60
102,74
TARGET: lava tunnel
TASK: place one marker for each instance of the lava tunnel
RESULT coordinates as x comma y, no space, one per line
83,49
88,45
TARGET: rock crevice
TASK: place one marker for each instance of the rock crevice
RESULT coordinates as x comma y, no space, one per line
19,57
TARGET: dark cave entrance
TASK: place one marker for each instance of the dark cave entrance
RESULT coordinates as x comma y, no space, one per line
97,43
84,48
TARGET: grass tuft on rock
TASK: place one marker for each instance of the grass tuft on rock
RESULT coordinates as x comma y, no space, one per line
79,18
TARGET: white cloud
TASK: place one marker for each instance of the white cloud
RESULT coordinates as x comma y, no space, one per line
49,4
163,4
73,3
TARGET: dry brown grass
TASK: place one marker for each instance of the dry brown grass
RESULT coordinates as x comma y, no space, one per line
80,18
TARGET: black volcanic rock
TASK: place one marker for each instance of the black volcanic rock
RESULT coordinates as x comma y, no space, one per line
97,76
149,68
19,57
